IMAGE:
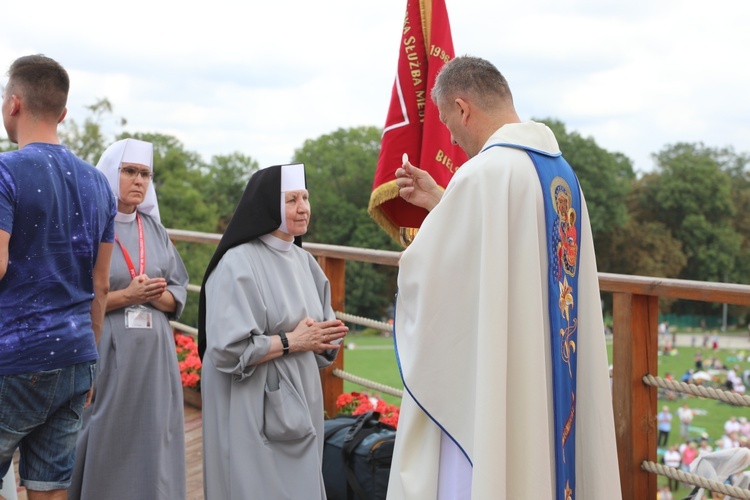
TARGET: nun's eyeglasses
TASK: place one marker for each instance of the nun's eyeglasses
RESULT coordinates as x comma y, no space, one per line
132,173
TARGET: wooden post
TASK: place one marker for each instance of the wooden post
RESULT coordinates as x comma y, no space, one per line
635,324
335,270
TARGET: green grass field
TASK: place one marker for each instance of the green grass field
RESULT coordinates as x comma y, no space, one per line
373,358
716,412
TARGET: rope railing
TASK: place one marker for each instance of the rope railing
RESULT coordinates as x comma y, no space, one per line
193,332
349,318
359,320
692,479
707,393
698,390
369,323
376,386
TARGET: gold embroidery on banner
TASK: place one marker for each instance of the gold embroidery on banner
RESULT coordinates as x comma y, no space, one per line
407,26
440,53
415,67
445,160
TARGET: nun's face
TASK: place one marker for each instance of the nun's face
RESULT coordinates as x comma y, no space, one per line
134,180
297,205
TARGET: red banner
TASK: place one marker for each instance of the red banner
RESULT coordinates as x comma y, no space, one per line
413,124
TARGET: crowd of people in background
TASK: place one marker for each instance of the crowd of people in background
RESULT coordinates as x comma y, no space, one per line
682,453
708,369
711,372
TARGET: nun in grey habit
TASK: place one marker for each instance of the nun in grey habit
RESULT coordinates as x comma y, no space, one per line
132,444
266,327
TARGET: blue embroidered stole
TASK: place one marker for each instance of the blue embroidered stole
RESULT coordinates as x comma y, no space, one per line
562,206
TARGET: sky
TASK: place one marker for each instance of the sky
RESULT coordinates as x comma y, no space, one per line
262,77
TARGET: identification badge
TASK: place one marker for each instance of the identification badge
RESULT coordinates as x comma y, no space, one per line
137,317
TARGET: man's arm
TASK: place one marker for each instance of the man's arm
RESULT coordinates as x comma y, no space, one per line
101,288
4,242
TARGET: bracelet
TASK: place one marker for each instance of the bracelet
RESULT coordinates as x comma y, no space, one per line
284,343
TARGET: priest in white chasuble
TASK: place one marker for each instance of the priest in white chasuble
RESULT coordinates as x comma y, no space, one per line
498,329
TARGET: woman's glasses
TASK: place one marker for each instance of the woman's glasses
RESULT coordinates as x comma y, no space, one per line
132,173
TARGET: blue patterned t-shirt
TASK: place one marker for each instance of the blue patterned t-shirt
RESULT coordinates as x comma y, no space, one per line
57,209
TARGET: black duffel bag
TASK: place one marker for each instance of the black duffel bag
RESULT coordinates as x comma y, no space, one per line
357,457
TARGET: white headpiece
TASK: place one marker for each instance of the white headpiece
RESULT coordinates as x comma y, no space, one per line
130,151
292,179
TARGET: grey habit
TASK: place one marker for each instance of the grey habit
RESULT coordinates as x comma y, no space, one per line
262,424
132,444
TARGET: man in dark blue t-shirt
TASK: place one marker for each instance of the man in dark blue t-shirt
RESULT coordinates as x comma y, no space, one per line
56,233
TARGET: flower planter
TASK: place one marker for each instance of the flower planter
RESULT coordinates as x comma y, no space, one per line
192,397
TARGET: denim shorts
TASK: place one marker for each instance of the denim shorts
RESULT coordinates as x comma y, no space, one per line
41,414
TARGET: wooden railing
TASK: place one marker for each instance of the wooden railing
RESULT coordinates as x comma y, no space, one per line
635,346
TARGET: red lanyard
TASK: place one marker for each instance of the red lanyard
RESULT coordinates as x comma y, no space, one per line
141,250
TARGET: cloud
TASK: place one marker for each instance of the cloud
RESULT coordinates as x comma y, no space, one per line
261,78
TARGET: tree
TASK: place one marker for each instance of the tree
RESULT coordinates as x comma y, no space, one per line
737,166
646,248
692,196
605,177
226,178
689,197
741,198
87,141
689,218
340,168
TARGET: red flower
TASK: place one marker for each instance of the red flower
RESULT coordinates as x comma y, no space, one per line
356,403
188,359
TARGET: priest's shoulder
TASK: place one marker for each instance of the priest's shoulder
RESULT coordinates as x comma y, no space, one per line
495,164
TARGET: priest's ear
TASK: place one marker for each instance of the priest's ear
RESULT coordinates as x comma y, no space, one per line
464,108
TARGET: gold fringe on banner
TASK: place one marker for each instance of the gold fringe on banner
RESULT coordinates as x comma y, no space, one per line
381,194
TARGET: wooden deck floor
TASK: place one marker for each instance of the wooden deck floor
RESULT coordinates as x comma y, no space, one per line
193,452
